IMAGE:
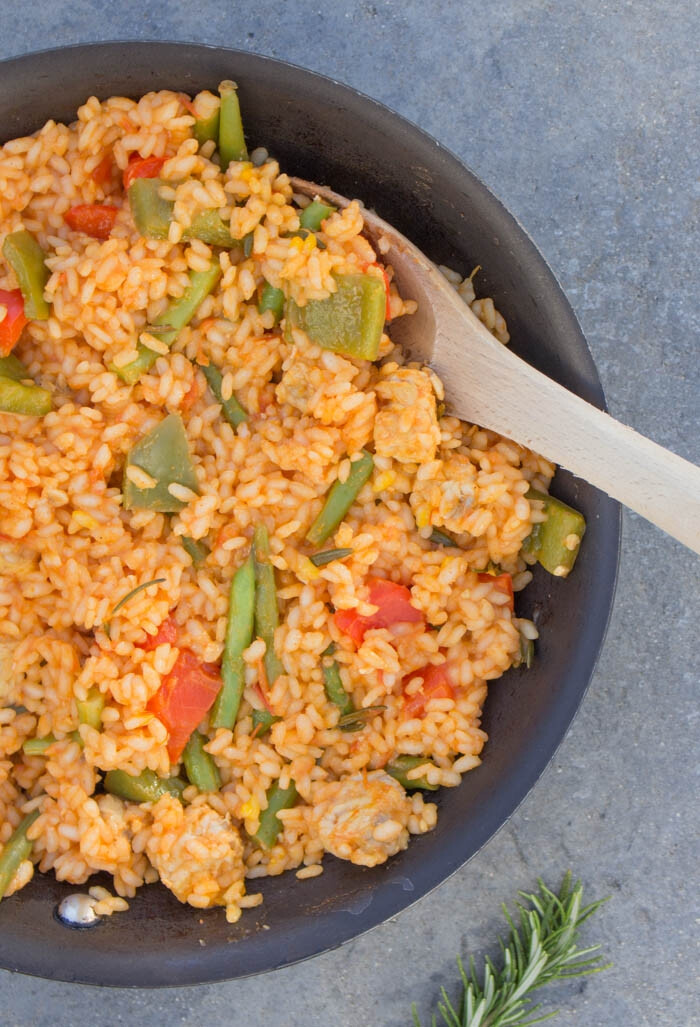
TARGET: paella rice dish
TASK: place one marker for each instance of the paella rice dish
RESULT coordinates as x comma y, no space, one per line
254,578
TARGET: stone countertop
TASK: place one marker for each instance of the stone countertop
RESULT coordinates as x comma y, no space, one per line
581,118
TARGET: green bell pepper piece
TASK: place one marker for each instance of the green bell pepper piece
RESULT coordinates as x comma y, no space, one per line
26,258
272,299
17,398
143,787
152,215
164,454
312,216
556,541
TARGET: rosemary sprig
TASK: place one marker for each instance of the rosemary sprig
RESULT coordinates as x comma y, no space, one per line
541,948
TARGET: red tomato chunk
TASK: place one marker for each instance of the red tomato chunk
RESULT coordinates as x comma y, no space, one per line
436,685
14,320
94,219
394,607
167,632
142,167
502,583
186,694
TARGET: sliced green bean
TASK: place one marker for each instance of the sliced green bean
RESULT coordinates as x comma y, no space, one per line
176,315
26,258
264,720
195,549
270,824
399,768
232,409
266,611
239,635
206,114
201,770
143,787
321,559
316,212
357,719
231,138
271,298
340,498
90,709
335,690
556,541
18,398
15,851
163,453
39,746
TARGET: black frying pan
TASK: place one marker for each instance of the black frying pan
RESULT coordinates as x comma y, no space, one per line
329,133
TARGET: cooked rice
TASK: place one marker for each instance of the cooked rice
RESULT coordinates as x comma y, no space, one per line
69,550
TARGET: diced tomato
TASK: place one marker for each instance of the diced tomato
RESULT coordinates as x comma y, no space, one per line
502,583
186,694
103,172
95,219
167,632
14,320
142,167
394,602
436,685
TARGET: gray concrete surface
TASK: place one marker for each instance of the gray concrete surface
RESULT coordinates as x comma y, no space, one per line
580,116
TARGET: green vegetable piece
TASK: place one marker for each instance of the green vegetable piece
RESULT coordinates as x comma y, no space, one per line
266,612
134,592
350,321
558,539
357,719
39,746
321,559
202,771
340,498
11,367
399,768
441,538
152,213
195,549
143,787
526,653
239,635
272,299
176,315
15,851
17,398
211,229
26,258
270,824
164,454
231,138
232,409
90,709
335,690
316,212
206,114
248,241
264,720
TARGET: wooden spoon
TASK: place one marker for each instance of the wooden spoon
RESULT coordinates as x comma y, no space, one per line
486,384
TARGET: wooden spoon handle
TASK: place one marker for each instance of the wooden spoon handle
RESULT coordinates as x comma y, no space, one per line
540,414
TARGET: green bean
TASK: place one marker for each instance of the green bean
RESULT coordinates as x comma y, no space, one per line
15,851
340,498
399,768
201,770
39,746
264,720
272,299
163,453
18,398
206,114
335,690
266,612
26,258
239,635
143,787
526,653
355,720
349,321
232,409
270,824
321,559
176,315
195,549
153,215
231,139
90,709
556,541
441,538
316,212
